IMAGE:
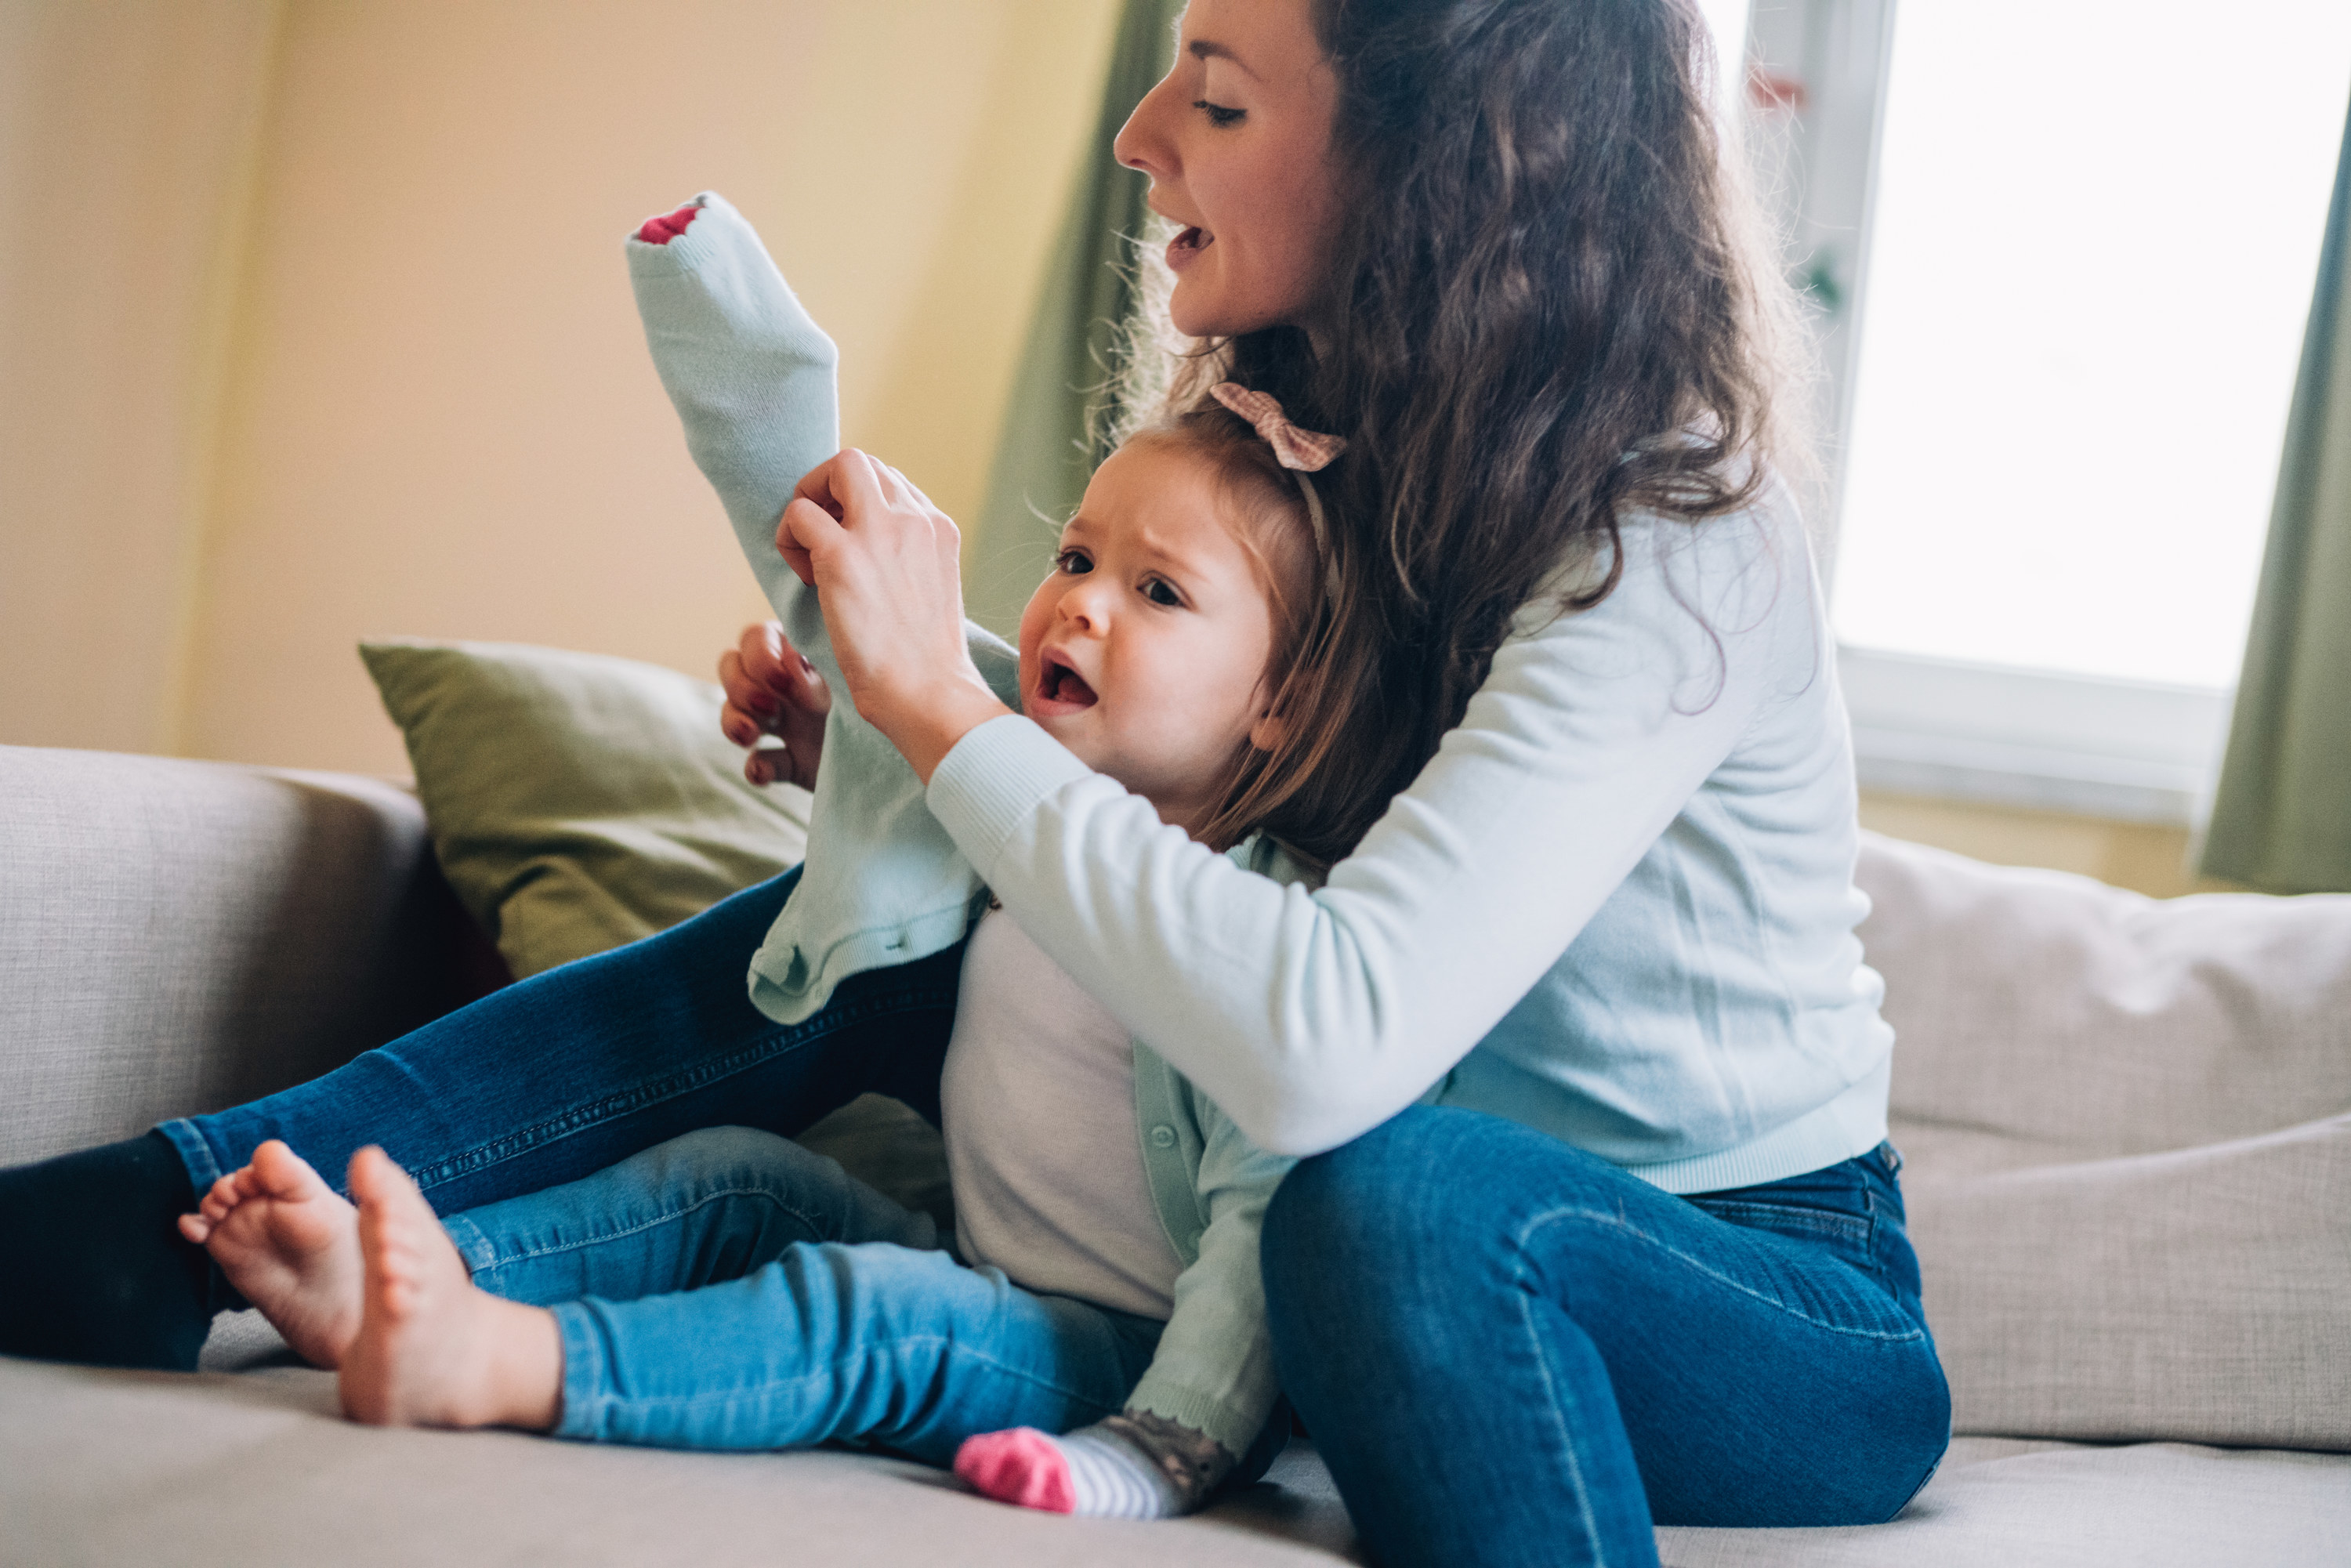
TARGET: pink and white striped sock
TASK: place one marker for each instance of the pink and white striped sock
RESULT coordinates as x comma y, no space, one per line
1093,1472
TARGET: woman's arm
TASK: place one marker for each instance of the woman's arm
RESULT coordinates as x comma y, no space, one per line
1312,1017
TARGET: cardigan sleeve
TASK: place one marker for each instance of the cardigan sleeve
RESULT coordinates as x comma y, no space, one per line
751,377
1212,1369
1311,1016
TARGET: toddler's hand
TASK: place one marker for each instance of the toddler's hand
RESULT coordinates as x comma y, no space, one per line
771,690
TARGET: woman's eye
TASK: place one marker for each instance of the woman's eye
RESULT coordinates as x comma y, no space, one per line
1219,115
1075,562
1158,592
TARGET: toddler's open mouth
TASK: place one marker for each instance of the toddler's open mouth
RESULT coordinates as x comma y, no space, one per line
1062,688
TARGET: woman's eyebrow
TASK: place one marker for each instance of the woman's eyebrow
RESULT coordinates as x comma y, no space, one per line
1205,49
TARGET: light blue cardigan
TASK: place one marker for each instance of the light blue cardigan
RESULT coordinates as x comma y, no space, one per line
752,378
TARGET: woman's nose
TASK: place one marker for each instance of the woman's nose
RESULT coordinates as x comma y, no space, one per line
1142,141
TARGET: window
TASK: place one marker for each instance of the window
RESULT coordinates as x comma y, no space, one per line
2063,251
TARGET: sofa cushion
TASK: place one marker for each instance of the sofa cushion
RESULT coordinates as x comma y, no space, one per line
579,801
106,1468
2036,1505
113,1467
2128,1123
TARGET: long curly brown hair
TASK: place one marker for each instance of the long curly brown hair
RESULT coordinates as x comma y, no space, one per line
1554,308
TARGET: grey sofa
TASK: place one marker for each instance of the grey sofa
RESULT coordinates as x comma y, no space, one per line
2129,1130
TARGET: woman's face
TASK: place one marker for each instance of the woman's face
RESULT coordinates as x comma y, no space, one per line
1236,141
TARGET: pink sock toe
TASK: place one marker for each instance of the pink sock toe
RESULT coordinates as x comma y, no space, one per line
1020,1465
662,230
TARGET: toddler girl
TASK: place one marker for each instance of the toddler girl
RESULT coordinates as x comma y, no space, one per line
730,1290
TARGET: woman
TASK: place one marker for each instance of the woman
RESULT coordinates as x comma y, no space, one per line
1643,1258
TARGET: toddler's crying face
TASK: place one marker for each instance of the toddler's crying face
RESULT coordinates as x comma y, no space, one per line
1144,651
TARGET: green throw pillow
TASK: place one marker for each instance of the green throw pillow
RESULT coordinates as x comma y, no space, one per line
579,801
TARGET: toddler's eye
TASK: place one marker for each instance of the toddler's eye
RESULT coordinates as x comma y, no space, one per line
1075,562
1159,592
1219,115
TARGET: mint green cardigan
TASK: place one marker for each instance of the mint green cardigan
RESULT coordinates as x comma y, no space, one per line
752,380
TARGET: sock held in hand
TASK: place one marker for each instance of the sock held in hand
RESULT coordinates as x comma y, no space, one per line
1092,1472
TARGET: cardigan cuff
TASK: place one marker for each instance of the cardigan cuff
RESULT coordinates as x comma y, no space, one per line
991,782
1234,1424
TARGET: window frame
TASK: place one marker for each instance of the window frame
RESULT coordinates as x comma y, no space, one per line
1941,729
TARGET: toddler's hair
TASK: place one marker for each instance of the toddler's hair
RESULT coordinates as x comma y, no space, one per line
1301,791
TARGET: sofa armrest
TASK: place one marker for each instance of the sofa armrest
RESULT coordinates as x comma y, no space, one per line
177,937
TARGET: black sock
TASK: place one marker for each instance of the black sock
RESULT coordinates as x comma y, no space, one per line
98,1269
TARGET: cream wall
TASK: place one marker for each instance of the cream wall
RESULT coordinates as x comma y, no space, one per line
357,356
127,136
2153,858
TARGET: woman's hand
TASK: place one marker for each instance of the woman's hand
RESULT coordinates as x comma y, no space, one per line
771,690
883,559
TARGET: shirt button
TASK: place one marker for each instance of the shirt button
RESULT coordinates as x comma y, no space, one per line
1163,1137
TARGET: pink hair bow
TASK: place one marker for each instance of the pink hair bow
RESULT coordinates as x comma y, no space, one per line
1307,451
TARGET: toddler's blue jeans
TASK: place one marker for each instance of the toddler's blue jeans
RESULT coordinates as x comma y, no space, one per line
1510,1352
731,1289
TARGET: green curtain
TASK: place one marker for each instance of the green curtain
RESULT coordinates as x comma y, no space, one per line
1045,454
2282,819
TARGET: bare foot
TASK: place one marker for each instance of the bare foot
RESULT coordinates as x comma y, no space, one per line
291,1244
433,1350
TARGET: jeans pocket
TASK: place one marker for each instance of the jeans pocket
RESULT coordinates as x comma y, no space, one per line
1850,1236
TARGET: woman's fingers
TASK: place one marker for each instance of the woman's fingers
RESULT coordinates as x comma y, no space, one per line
817,484
804,529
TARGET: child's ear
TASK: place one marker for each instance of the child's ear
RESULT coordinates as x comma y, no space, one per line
1268,731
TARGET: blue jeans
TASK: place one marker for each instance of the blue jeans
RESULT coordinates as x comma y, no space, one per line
575,1070
1510,1352
731,1289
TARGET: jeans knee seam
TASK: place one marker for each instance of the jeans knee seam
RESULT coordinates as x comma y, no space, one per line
1559,1425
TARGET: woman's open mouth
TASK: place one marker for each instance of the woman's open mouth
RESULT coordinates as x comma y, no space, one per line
1059,688
1185,248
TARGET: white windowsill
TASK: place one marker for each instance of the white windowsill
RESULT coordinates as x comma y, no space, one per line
2129,749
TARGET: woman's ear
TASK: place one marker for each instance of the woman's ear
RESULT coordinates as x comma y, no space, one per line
1268,731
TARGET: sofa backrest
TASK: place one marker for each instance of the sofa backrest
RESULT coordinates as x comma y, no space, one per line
2041,1016
179,937
2128,1123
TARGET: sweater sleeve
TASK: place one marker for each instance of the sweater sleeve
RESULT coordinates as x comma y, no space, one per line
751,377
1313,1016
1212,1370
